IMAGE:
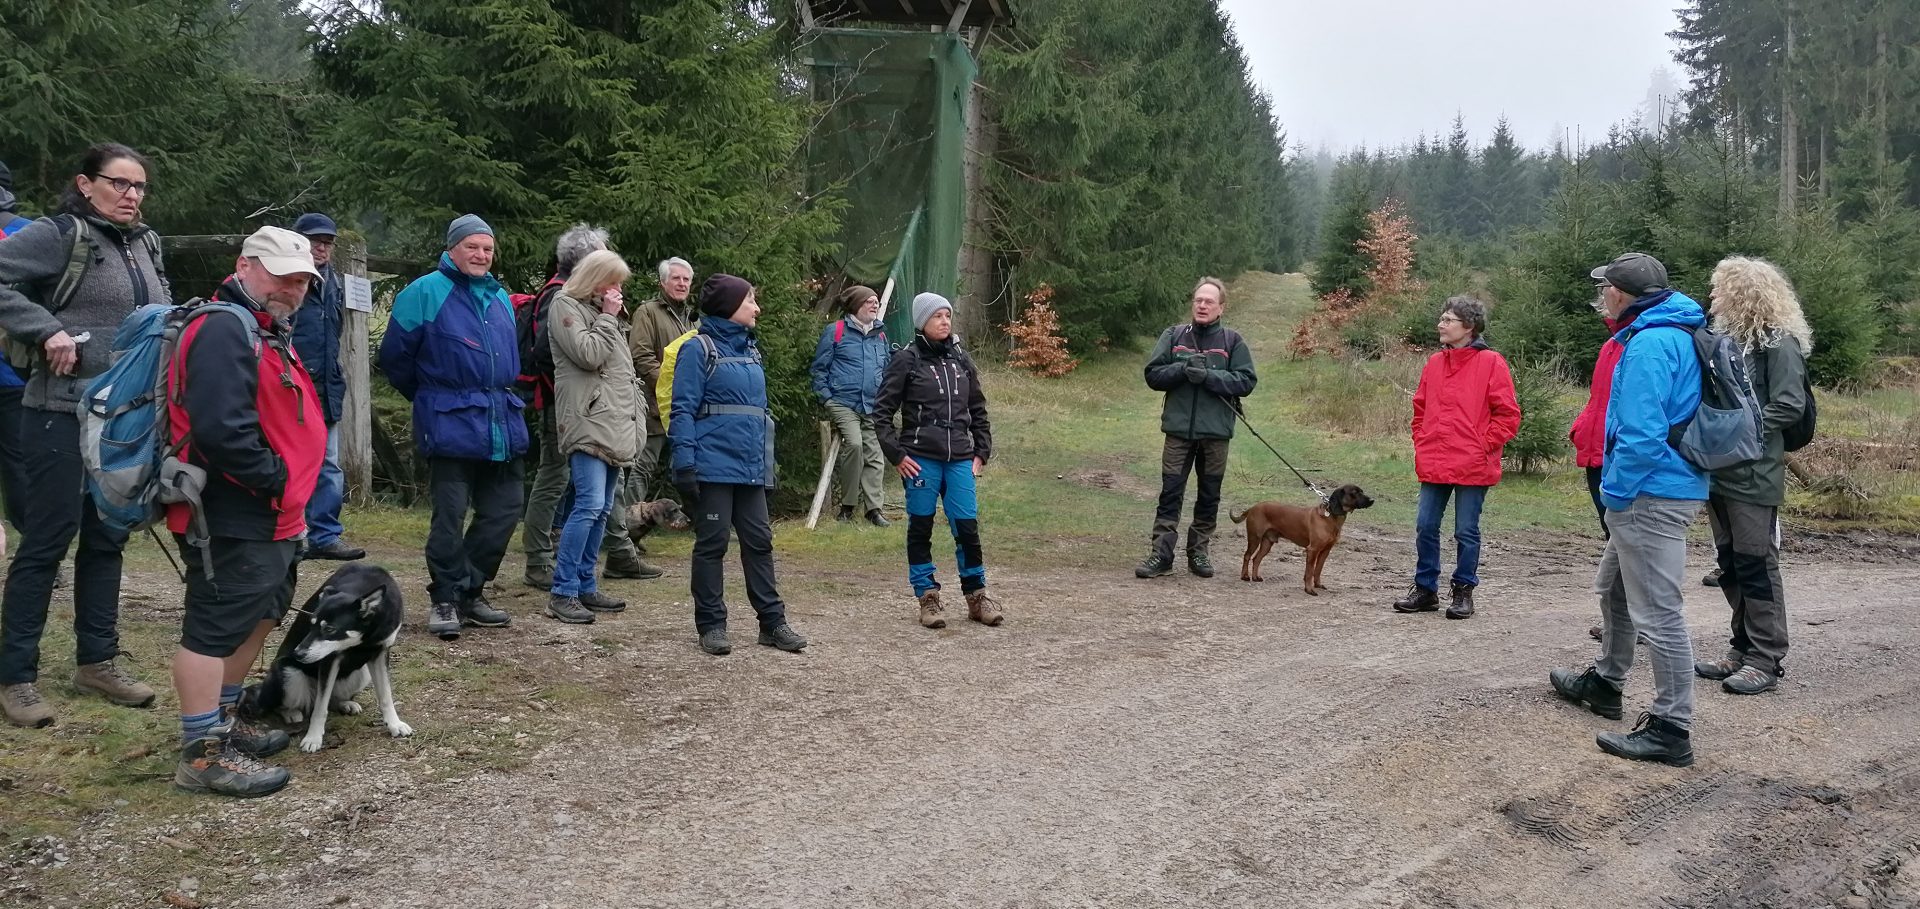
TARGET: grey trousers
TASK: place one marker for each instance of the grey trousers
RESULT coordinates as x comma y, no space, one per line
861,465
1639,584
1750,578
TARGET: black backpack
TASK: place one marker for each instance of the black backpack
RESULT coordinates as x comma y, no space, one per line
535,381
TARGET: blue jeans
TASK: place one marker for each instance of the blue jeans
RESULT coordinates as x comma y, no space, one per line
950,484
1466,532
578,552
323,510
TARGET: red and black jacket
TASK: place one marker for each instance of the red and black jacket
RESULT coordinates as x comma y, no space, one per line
242,406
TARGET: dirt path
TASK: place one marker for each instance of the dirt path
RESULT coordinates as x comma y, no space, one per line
1178,742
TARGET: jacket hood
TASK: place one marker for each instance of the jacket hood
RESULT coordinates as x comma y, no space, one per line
1666,308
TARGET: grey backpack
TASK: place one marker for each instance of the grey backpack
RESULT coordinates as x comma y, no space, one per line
1725,430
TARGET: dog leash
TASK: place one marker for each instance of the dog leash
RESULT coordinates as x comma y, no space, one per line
1234,405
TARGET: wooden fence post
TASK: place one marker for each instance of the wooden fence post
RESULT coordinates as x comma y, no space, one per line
356,423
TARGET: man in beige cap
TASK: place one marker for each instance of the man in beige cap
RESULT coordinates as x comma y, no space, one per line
243,408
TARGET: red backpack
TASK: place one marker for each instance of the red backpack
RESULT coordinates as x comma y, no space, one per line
535,381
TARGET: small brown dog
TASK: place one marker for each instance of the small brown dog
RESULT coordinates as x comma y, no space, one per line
643,517
1311,528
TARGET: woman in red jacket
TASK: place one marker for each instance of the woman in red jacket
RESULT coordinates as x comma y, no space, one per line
1589,432
1464,413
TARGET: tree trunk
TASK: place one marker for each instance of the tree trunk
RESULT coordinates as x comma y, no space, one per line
1789,126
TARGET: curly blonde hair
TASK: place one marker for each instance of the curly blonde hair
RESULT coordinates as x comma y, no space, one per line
1753,303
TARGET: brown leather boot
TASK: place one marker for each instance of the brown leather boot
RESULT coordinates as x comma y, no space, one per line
110,681
981,608
24,706
932,615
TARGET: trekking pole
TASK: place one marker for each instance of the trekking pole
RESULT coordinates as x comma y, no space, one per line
182,572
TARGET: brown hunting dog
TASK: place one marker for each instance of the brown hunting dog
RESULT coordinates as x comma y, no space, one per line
1309,527
643,517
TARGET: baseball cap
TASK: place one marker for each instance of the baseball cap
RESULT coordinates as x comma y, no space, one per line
1634,273
281,251
315,224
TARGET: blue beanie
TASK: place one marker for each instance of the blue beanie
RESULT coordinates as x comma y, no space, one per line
315,224
925,305
466,226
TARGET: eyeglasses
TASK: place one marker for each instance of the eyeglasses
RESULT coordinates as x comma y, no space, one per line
1452,318
123,185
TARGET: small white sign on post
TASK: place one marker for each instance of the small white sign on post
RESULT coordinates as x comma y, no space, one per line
359,294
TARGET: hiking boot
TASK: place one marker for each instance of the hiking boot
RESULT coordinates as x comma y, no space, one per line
631,566
1418,599
783,638
877,519
481,614
569,610
932,615
1712,579
982,608
335,551
24,707
1462,607
1652,739
1717,669
538,577
1153,566
216,764
714,641
600,602
1750,680
251,739
1588,690
110,681
844,515
443,621
1198,561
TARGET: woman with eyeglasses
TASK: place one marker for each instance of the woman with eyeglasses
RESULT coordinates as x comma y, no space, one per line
66,284
1464,414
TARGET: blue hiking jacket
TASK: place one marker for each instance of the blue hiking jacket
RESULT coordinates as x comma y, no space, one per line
720,425
316,337
847,371
1655,386
10,224
451,349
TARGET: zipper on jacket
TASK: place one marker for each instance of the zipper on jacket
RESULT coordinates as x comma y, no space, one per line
133,274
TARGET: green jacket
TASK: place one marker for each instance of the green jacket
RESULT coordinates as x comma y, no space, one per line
1203,409
1779,376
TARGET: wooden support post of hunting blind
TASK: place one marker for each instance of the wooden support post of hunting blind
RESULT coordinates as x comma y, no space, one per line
356,420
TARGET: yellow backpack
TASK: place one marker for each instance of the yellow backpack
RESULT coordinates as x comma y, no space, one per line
669,358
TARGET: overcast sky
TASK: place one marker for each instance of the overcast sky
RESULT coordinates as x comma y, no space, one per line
1379,72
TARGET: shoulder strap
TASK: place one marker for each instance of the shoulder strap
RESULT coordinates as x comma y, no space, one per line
839,330
79,256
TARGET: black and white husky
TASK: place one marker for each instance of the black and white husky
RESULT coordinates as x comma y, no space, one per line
337,645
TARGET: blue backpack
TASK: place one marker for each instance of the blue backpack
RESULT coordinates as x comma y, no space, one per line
133,466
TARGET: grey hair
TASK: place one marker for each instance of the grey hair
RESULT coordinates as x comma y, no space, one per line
1468,310
667,264
575,244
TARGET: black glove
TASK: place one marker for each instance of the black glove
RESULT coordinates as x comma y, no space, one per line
688,483
1197,368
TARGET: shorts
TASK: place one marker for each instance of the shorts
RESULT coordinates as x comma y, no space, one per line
253,581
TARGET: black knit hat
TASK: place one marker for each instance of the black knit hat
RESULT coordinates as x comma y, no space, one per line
722,294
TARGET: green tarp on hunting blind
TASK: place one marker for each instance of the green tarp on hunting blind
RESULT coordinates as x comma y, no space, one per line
894,144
